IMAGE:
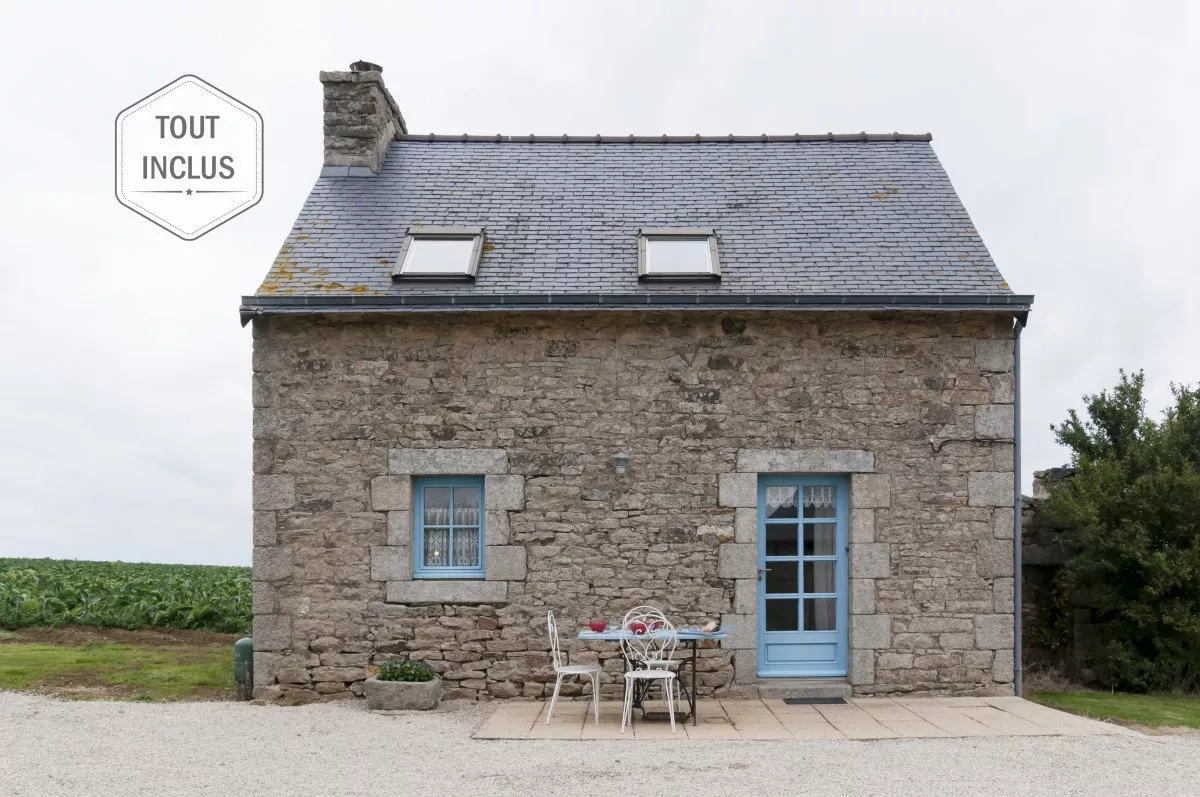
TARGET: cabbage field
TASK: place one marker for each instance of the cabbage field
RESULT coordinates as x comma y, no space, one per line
56,592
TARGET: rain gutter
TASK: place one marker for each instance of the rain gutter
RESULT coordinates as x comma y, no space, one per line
258,306
1018,628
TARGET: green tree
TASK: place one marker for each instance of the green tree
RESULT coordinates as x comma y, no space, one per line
1132,511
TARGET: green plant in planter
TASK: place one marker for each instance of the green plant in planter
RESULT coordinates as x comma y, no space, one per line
406,670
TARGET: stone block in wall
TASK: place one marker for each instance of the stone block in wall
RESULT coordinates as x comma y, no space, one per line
995,558
289,675
271,564
391,562
994,631
262,597
737,560
994,421
744,633
334,674
263,455
862,596
990,489
745,525
1001,388
391,493
399,527
266,667
956,641
1002,523
447,591
870,560
870,632
783,460
862,667
274,492
745,665
496,528
272,632
737,490
994,355
1002,595
895,661
1002,455
862,526
505,563
503,492
870,491
447,461
1003,667
745,596
721,533
264,528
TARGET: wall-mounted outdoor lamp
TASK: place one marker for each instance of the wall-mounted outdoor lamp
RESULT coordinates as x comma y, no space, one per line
620,463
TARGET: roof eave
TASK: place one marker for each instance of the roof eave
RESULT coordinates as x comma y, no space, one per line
254,306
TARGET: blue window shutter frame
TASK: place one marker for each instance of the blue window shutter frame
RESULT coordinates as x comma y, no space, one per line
420,569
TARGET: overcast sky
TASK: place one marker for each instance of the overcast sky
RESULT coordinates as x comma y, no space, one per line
1069,131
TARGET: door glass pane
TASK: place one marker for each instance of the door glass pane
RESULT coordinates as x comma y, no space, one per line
437,506
819,576
783,615
820,614
820,500
437,547
466,547
781,578
820,539
781,501
466,506
781,539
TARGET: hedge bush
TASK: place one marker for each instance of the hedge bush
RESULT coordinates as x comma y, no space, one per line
1132,518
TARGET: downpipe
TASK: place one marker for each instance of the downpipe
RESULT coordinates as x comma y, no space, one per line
1017,548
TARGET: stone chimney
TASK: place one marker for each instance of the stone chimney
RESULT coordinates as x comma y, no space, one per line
360,119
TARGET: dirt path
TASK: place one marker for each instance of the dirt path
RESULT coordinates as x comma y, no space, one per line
80,635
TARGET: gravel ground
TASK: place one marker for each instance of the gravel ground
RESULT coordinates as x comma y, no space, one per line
48,747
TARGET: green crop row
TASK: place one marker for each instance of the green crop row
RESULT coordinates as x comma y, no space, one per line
55,592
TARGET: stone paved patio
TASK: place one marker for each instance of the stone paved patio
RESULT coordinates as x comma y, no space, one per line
860,718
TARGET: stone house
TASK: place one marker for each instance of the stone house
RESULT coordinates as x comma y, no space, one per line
762,379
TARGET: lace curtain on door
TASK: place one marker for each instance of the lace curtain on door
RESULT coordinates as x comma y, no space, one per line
821,496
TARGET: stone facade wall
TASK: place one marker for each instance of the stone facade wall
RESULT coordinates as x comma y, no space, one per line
918,406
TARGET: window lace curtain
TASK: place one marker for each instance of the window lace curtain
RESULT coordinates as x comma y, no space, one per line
819,496
822,496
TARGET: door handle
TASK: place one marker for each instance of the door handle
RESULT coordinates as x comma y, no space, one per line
762,570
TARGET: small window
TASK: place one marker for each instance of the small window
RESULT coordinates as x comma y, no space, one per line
439,253
449,539
678,254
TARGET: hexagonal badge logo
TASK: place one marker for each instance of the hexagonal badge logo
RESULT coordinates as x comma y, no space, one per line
189,157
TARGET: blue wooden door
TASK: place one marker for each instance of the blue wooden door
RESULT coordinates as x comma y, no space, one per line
802,589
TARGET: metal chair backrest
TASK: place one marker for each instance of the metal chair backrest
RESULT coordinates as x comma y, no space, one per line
552,629
657,640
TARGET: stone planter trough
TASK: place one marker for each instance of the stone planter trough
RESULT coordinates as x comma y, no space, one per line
403,695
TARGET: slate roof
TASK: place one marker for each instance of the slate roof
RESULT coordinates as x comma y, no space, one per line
795,217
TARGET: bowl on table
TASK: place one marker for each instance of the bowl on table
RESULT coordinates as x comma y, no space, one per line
598,626
637,627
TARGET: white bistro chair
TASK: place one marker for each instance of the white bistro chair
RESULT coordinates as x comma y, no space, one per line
652,650
561,670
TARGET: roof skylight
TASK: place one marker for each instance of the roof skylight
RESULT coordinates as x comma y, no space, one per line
439,253
686,253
